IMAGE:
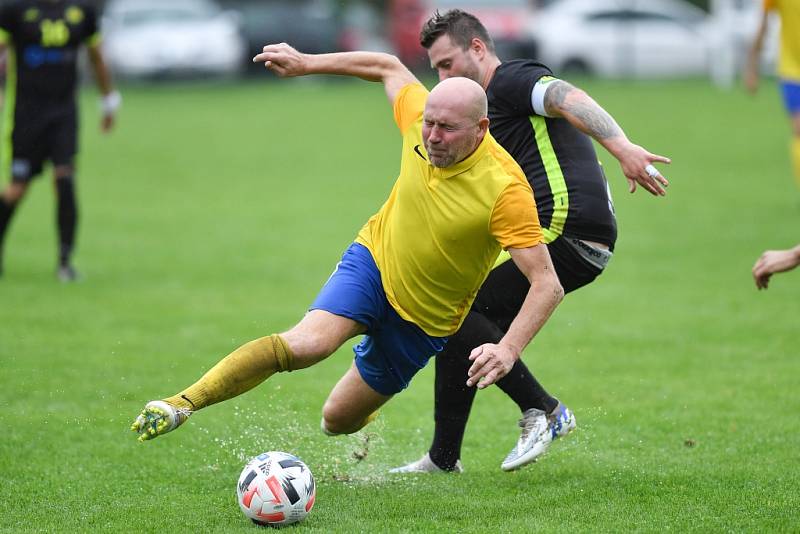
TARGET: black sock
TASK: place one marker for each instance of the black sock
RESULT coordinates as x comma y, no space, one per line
67,217
525,390
453,397
6,212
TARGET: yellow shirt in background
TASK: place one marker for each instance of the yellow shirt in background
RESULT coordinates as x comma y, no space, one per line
789,62
437,235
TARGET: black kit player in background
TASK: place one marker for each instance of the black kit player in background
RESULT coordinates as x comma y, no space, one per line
545,124
42,39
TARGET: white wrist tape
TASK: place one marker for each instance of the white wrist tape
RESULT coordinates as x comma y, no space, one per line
111,102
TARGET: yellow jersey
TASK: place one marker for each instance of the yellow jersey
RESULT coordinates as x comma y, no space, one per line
436,237
789,12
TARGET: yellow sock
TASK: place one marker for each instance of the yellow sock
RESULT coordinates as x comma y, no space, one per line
240,371
796,159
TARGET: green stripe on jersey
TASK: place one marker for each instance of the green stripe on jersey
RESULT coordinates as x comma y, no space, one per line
555,177
6,151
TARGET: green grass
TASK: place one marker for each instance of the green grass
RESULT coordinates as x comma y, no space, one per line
213,215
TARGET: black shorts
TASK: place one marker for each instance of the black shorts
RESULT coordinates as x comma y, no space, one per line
504,290
42,132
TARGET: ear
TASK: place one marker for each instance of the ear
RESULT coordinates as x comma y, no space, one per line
477,47
483,125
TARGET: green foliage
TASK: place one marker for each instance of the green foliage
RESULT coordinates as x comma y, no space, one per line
213,215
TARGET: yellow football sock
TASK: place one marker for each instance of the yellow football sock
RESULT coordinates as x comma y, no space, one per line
796,159
240,371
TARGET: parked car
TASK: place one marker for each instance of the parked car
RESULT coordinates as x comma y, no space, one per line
148,38
626,38
311,26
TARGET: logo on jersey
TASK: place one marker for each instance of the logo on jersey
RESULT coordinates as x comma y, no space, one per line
31,15
74,15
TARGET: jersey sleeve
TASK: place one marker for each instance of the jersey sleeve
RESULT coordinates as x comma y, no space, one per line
769,5
8,22
409,105
513,86
92,27
515,221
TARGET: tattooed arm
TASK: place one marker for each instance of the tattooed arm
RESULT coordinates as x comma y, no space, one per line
566,101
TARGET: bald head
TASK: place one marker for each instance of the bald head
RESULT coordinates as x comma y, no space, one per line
462,95
454,121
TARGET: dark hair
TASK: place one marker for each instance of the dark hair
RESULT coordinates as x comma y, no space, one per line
462,27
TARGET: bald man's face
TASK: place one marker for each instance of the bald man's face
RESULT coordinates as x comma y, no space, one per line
451,131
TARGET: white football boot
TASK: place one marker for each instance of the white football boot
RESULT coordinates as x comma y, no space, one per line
538,431
426,465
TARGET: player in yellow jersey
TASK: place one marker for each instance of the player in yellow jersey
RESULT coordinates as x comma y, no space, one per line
410,278
788,66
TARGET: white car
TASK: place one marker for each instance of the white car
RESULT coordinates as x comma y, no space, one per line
148,38
626,38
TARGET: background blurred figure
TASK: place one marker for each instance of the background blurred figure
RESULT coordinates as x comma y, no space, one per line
788,66
775,261
43,39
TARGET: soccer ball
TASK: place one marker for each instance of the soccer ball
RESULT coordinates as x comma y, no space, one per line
275,489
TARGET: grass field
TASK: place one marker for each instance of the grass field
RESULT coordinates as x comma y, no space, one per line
213,215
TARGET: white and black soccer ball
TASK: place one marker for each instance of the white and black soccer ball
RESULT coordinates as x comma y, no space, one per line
275,489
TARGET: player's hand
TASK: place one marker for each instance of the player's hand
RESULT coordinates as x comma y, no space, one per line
637,165
107,123
282,59
771,262
750,77
491,362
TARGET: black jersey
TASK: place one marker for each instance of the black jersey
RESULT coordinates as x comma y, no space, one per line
44,37
559,161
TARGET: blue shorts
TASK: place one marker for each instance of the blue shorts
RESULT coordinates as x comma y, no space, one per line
791,95
394,349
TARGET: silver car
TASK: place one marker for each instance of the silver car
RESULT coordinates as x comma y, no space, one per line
151,38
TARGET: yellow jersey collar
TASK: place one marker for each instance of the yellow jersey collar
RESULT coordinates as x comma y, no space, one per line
465,164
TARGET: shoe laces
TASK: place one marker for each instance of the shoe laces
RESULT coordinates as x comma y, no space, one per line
531,419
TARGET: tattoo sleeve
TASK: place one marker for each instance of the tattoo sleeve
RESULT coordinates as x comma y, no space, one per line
564,100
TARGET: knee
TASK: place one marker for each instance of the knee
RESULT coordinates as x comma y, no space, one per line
309,346
64,172
335,420
796,125
14,192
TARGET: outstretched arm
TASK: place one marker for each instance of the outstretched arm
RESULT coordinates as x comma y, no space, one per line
285,61
491,362
754,54
774,261
567,101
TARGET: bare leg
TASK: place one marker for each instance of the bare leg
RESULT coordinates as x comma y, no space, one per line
351,404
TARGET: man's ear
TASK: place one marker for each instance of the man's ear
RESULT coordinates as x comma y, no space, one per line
477,47
483,124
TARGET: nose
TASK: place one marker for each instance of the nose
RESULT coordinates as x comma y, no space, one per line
433,135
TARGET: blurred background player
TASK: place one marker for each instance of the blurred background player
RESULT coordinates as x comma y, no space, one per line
774,261
788,66
43,38
544,123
